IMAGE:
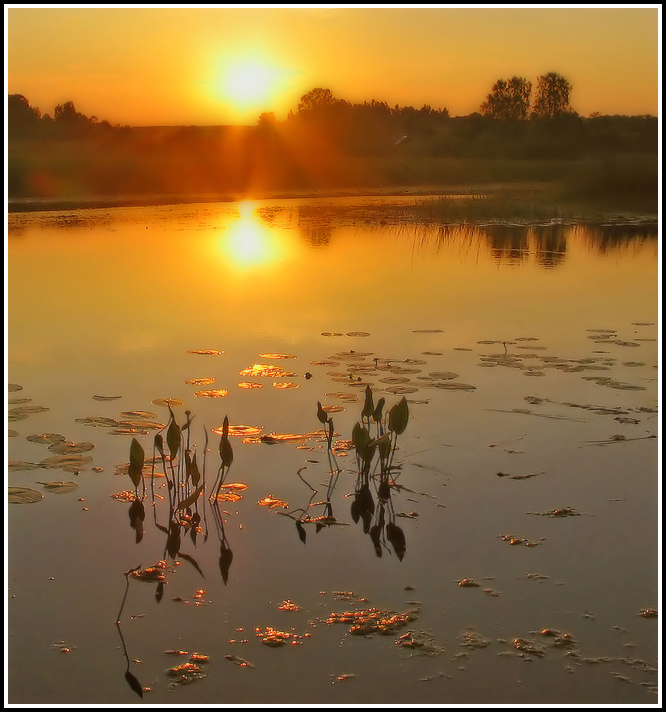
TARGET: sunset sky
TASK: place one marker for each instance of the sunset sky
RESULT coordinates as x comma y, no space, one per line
216,65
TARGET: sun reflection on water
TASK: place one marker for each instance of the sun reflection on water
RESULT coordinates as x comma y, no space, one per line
248,243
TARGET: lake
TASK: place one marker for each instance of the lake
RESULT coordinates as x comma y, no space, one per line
506,554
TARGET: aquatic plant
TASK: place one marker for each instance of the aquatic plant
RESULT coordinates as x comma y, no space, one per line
387,428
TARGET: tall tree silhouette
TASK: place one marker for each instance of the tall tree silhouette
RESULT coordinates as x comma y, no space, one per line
552,96
508,100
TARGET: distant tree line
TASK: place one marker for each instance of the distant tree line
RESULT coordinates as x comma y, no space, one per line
510,124
25,121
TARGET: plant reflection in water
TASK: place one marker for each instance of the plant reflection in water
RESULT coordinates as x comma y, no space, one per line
186,487
375,472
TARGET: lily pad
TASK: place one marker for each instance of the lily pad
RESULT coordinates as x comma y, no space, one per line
19,465
206,352
284,385
12,433
239,430
200,381
23,495
444,375
97,421
105,398
249,385
66,448
167,402
212,393
455,386
146,414
265,371
358,333
70,463
13,387
28,409
276,355
59,487
46,438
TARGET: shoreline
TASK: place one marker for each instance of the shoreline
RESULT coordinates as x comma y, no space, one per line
535,189
25,204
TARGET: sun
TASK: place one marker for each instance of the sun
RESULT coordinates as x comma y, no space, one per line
249,83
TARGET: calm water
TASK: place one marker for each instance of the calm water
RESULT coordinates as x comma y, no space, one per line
552,331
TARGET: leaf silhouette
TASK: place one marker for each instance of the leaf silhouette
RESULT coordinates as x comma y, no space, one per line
134,683
226,452
136,516
321,413
398,417
137,458
173,540
173,439
397,538
301,531
191,499
377,415
226,557
369,406
194,471
187,557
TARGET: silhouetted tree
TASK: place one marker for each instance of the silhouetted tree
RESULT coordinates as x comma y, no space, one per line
317,98
21,117
552,97
508,100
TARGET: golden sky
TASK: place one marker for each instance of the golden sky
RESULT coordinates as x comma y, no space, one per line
216,65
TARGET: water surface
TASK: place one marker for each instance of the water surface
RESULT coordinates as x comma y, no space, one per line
551,329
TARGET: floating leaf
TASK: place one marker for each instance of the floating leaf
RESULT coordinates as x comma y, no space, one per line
19,465
105,398
444,375
272,502
144,414
70,463
167,402
358,333
276,356
97,421
23,495
27,409
284,385
59,487
66,448
249,385
265,371
200,381
206,352
50,438
13,387
213,393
